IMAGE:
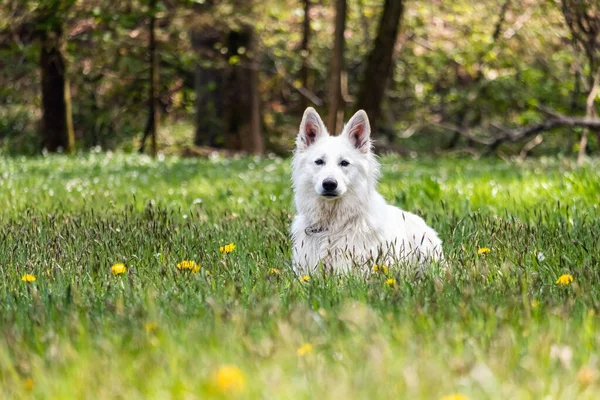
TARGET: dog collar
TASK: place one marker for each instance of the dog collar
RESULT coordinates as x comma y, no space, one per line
314,229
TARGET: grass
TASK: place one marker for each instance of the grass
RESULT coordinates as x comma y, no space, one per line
494,325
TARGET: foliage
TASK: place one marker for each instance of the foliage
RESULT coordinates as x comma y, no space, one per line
450,66
494,325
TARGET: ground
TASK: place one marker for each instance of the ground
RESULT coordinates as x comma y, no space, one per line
237,323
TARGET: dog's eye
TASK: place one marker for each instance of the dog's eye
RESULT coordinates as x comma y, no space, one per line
344,163
320,162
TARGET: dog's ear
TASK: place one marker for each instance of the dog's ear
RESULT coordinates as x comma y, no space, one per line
358,131
311,129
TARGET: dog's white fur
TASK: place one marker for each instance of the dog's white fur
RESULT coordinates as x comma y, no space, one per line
354,227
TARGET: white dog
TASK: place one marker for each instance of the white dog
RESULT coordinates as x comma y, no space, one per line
342,221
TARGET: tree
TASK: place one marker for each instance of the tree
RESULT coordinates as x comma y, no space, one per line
379,62
227,79
583,19
243,98
57,119
337,65
257,145
471,84
152,122
209,77
304,52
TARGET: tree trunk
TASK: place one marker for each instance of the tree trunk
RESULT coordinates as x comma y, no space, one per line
209,83
258,144
57,117
242,102
590,112
152,122
379,62
583,21
153,106
304,50
227,85
337,65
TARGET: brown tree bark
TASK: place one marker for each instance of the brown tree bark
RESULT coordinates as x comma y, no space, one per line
209,80
227,85
57,118
257,141
379,61
590,112
583,20
304,50
337,65
152,122
242,117
238,93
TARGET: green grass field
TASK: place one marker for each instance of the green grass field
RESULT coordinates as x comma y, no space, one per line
494,325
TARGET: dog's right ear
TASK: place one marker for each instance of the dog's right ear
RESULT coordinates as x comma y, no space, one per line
311,129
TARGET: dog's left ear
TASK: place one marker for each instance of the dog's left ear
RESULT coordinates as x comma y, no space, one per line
358,131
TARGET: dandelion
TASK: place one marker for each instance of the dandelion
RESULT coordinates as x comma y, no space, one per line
28,383
274,271
151,327
564,279
390,282
188,265
305,278
228,248
587,375
534,303
455,396
118,269
380,268
483,250
28,278
229,378
304,349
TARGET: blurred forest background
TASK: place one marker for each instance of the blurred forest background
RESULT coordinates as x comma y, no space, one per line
188,76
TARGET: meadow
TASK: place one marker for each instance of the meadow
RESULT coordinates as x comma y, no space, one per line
498,323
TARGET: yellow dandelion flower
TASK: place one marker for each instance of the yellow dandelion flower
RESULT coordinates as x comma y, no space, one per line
587,375
455,396
304,349
380,268
229,378
564,279
118,269
483,250
28,383
228,248
188,265
534,303
274,271
390,282
151,327
28,278
305,278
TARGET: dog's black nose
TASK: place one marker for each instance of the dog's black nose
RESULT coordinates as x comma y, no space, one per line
329,185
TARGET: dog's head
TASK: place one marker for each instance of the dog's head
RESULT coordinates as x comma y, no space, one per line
334,165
